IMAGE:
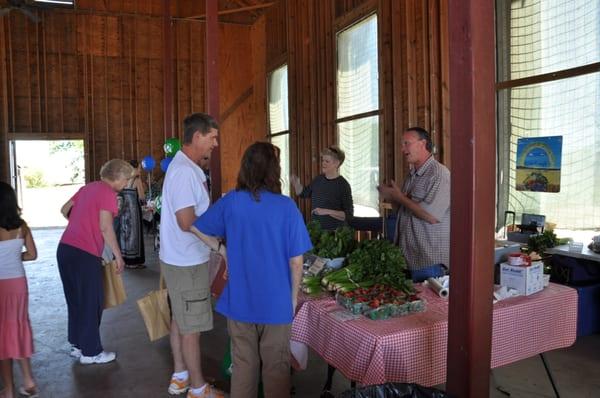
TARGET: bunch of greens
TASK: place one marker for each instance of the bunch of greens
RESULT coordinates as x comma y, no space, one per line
540,242
373,262
331,244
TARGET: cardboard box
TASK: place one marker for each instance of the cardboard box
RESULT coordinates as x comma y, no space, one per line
526,280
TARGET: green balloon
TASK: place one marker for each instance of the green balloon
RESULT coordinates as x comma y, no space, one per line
158,203
172,145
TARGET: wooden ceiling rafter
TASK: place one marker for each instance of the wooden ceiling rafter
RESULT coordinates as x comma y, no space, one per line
245,3
231,11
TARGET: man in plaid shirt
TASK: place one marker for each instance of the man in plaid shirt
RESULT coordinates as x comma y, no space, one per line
423,225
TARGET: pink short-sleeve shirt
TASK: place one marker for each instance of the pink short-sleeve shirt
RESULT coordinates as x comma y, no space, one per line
83,230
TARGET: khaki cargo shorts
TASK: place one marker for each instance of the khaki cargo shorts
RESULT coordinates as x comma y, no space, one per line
190,296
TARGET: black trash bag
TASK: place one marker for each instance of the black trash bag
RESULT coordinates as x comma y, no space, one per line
394,390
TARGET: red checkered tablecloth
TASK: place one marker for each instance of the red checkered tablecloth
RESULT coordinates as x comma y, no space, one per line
413,348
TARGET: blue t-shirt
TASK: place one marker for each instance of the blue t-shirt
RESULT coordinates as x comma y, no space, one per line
261,238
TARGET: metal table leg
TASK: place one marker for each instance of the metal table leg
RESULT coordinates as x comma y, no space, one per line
549,375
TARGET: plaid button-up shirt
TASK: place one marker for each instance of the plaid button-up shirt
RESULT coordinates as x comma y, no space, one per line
422,243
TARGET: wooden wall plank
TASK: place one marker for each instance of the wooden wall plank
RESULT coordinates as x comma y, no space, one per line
236,130
259,73
101,74
4,108
413,69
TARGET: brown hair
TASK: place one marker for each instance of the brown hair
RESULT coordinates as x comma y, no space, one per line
260,169
335,152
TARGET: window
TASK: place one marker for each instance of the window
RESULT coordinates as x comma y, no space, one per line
279,128
358,112
57,2
548,54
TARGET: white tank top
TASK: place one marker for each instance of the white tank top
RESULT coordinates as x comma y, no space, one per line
11,265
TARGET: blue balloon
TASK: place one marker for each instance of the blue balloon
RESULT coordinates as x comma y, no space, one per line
148,163
164,164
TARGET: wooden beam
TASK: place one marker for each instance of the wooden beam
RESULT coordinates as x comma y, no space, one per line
106,82
548,77
122,75
61,86
191,69
167,70
177,95
411,63
11,75
236,104
45,68
86,114
472,73
357,13
46,135
29,88
228,12
212,90
38,74
445,83
4,154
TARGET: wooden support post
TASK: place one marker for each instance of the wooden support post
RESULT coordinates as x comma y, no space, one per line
167,71
471,33
4,154
212,90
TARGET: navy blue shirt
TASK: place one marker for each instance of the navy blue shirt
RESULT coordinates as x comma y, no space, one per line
334,194
261,238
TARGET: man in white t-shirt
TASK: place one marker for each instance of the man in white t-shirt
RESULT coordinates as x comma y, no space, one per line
184,258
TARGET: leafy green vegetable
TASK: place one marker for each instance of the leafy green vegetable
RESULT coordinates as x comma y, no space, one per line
540,242
381,262
331,244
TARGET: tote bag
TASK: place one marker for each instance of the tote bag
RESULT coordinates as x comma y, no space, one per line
114,291
155,311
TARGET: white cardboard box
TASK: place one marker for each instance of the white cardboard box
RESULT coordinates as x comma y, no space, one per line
526,280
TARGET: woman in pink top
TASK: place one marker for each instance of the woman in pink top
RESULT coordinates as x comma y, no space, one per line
16,341
90,213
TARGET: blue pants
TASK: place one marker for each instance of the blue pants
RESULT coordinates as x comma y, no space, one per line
432,271
81,275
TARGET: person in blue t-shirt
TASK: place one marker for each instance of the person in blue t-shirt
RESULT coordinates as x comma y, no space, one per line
266,238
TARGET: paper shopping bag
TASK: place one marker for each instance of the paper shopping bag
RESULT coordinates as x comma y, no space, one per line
114,291
155,311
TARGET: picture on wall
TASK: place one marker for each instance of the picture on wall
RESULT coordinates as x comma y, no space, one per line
538,164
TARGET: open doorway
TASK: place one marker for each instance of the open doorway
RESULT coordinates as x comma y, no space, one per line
46,174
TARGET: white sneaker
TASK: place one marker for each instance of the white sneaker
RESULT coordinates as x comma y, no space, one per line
75,352
103,357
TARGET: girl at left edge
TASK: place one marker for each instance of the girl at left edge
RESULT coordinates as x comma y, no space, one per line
16,340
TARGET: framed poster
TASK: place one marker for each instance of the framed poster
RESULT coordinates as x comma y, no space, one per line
538,164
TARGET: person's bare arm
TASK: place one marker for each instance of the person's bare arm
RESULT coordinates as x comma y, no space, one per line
139,186
296,184
66,208
393,193
108,233
337,214
214,243
30,252
296,270
185,218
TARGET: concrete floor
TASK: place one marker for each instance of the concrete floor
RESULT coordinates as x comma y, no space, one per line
143,368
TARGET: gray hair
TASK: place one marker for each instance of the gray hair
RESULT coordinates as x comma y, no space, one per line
116,169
